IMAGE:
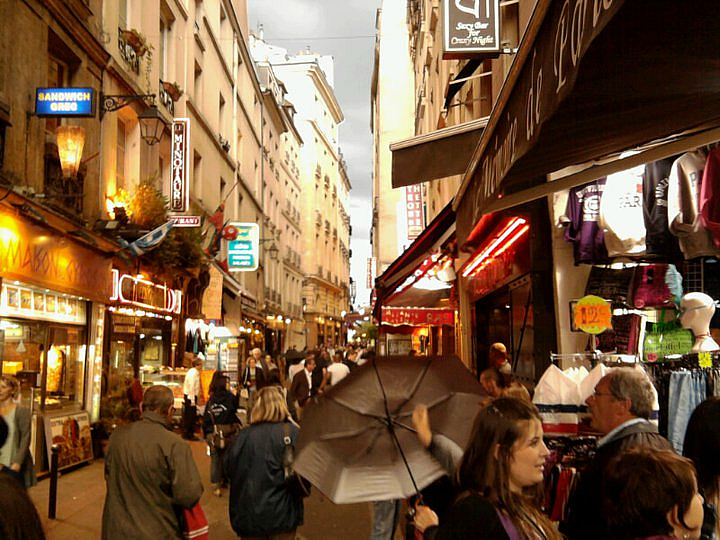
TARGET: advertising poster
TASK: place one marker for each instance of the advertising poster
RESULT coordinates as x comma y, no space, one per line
71,432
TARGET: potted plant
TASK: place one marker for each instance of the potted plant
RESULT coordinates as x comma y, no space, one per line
173,89
136,40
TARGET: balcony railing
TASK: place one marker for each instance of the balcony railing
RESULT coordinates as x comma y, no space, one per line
128,53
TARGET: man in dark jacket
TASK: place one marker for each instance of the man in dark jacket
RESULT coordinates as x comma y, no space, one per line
620,407
150,474
301,388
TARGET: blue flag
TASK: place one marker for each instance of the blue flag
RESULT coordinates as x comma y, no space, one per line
145,243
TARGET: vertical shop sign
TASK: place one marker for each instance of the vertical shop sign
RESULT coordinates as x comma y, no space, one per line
370,273
471,27
180,166
414,211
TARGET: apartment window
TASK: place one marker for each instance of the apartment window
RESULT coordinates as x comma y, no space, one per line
163,48
121,154
197,174
221,112
123,14
197,83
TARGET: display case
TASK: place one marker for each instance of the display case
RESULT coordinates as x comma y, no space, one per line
172,378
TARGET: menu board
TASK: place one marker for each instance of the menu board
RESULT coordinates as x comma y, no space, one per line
71,432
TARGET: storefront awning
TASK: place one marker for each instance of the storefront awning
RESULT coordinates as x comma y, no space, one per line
438,154
406,282
590,80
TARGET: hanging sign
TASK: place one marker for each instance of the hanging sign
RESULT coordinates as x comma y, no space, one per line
471,27
592,315
64,102
414,211
180,165
243,251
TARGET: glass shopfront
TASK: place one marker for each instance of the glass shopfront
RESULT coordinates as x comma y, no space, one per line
43,343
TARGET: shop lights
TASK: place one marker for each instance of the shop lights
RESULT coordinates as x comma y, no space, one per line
509,234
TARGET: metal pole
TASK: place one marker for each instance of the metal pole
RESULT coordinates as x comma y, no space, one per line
52,500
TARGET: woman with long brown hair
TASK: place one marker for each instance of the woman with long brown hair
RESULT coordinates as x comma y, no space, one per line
499,478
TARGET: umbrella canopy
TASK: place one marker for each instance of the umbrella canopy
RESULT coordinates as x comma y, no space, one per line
357,442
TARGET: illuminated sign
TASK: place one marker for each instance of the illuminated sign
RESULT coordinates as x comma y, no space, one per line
471,27
180,165
243,251
396,316
65,102
139,292
414,211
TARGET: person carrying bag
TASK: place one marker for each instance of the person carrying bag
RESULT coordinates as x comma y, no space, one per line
220,424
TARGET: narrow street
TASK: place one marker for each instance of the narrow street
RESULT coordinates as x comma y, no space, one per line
81,494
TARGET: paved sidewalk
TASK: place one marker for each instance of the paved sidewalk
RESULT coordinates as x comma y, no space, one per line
81,495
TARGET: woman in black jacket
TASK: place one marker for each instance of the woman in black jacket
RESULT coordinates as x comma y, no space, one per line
261,505
220,415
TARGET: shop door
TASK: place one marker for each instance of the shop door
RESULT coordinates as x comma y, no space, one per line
492,324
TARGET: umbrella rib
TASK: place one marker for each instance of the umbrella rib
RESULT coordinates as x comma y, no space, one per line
390,422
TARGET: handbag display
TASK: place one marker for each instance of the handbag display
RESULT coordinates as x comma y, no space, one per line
194,523
666,338
295,483
656,285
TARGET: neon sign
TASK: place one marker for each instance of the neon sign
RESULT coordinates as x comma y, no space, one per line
139,292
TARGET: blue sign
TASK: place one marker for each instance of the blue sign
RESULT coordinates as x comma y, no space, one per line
65,102
243,252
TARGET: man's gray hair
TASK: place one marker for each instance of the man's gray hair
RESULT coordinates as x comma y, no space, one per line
635,385
256,352
158,398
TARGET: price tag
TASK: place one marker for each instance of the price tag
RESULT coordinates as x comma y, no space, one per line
592,315
704,359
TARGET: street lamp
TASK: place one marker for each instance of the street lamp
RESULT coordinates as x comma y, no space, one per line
272,250
151,121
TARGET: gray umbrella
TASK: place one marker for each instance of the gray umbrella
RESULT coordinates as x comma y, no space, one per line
357,443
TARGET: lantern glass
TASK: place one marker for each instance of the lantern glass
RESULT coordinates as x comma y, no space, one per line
70,142
152,125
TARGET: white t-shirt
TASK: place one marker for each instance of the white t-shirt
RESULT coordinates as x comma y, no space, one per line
191,385
338,371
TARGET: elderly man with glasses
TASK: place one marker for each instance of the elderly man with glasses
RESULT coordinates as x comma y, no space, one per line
620,407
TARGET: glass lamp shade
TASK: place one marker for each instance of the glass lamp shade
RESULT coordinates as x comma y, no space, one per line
151,125
273,251
70,142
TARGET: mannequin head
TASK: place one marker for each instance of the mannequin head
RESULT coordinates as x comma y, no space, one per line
696,310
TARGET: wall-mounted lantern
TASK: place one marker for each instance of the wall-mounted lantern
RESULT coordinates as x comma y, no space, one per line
70,142
151,121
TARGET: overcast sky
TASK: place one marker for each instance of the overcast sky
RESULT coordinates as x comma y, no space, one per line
344,29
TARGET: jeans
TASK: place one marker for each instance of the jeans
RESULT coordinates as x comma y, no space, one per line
385,518
687,390
189,418
217,470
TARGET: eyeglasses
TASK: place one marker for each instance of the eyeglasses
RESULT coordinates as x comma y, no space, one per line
598,394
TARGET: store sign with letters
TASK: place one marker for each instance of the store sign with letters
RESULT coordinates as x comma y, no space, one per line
545,80
64,102
142,293
414,211
180,165
243,251
418,316
471,27
185,221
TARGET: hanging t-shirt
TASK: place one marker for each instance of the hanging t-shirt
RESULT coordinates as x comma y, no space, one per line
621,213
581,219
710,196
658,239
683,205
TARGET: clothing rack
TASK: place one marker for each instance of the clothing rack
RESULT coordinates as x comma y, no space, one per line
685,361
590,359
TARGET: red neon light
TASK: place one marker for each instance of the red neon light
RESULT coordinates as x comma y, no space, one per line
504,248
485,253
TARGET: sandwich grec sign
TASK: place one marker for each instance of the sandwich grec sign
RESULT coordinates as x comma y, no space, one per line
64,102
180,165
471,27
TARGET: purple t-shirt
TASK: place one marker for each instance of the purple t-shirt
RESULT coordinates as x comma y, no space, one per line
581,215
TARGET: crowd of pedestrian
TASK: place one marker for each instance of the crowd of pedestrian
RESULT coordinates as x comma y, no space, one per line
634,488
